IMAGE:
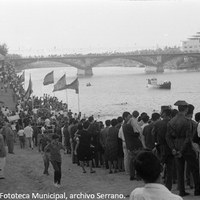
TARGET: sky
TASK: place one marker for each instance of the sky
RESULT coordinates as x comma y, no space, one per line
43,27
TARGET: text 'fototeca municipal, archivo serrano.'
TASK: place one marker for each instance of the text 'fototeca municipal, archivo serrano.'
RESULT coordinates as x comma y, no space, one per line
63,195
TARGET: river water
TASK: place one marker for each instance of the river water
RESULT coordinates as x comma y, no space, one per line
118,89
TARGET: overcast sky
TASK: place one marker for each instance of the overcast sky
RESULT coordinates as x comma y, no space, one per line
44,27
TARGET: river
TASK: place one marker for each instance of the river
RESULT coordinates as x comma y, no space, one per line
117,89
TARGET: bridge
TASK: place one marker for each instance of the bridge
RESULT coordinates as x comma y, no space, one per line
85,63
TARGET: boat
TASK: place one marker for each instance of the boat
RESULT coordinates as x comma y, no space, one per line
88,84
152,83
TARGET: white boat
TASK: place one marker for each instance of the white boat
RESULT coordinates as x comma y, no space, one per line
152,83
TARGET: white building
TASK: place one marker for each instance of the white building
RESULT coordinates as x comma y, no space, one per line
192,44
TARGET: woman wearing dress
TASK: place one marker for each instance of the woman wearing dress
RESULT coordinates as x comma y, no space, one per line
112,146
83,149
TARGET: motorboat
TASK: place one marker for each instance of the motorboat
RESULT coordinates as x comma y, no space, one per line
152,83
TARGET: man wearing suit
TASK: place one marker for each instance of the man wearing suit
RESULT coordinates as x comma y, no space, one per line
133,144
165,154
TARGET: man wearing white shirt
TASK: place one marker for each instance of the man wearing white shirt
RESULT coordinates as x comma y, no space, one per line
28,131
136,127
47,122
148,168
126,116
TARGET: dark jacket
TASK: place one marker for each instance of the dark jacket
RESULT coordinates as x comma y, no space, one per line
131,138
159,132
2,147
148,136
179,134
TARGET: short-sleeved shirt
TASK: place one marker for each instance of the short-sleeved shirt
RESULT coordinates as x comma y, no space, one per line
54,149
153,191
28,131
21,132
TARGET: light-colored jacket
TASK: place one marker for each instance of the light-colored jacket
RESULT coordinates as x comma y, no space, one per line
28,131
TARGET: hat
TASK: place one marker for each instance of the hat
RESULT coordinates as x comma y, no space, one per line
181,103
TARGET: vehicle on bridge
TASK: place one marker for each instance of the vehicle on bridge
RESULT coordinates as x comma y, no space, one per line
152,83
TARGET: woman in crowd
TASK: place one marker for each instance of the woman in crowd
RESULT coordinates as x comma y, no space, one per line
112,146
83,149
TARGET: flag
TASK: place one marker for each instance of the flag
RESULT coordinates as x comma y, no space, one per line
61,84
22,77
29,90
48,79
74,86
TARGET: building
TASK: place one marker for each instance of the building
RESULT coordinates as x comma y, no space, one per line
192,44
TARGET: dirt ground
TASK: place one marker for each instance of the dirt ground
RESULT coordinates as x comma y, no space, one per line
24,175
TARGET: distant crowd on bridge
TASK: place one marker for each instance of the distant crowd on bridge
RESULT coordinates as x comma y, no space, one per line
164,145
158,50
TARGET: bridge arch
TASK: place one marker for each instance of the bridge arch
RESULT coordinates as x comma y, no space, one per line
136,60
32,64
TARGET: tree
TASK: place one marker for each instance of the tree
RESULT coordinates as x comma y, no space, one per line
13,56
3,49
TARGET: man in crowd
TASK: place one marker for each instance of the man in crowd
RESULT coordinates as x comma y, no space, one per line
103,139
148,168
7,131
28,131
135,125
179,139
2,157
94,131
126,117
147,132
73,129
67,137
165,154
133,144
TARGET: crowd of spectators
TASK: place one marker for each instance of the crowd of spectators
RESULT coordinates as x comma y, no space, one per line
172,135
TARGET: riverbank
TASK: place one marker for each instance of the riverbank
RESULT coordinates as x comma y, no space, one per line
24,175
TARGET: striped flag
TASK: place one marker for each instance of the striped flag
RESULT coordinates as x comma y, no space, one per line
48,79
29,90
60,85
74,85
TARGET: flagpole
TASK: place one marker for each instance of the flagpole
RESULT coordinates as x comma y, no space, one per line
53,83
66,92
78,103
32,92
66,99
